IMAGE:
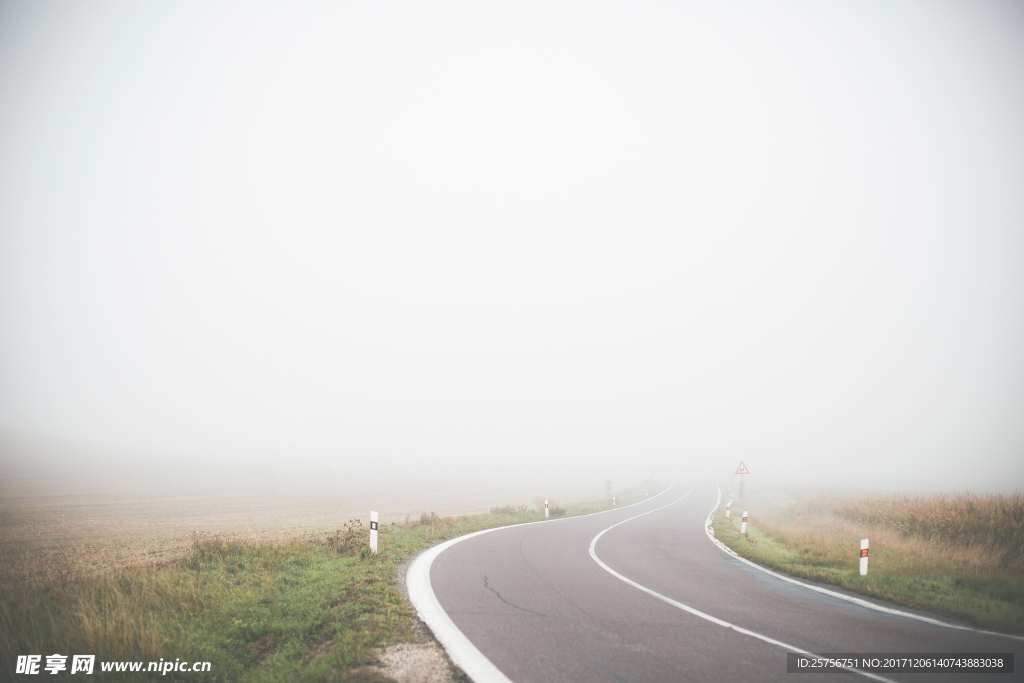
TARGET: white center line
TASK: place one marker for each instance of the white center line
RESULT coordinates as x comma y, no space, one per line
697,612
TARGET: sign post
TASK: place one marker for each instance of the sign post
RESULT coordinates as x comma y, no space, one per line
741,470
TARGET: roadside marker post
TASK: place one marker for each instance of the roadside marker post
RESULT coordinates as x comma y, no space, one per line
613,501
728,508
863,557
373,532
545,508
743,524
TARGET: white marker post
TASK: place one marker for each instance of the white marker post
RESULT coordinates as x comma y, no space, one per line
743,524
728,508
613,501
373,532
545,509
863,557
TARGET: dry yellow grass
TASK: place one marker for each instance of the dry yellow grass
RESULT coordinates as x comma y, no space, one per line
991,524
956,555
962,530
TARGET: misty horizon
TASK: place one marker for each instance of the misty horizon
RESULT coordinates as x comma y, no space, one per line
513,239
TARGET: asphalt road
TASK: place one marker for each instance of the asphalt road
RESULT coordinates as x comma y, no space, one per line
668,605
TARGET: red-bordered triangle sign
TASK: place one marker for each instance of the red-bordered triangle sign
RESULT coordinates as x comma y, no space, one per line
742,469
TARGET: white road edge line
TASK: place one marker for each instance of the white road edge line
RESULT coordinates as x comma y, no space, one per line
709,530
464,654
697,612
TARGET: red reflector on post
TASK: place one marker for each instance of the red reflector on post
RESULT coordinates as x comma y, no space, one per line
864,552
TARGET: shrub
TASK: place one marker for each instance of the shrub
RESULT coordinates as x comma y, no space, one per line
350,539
509,509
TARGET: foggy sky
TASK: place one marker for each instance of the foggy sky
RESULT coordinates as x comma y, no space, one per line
484,237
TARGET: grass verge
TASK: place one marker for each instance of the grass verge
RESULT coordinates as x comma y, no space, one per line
930,564
308,609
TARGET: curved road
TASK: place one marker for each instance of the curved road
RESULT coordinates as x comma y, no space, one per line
642,594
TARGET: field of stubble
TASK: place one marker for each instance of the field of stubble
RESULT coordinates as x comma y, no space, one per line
65,520
261,571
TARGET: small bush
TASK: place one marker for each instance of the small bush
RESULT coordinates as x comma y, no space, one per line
350,539
428,519
509,509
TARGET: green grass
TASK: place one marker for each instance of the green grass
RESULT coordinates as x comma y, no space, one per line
969,583
304,610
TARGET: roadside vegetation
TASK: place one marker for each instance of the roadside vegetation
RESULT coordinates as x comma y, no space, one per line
311,608
961,556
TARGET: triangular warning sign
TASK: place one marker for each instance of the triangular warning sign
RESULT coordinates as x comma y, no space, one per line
742,469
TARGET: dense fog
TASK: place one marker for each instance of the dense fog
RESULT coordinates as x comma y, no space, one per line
501,240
